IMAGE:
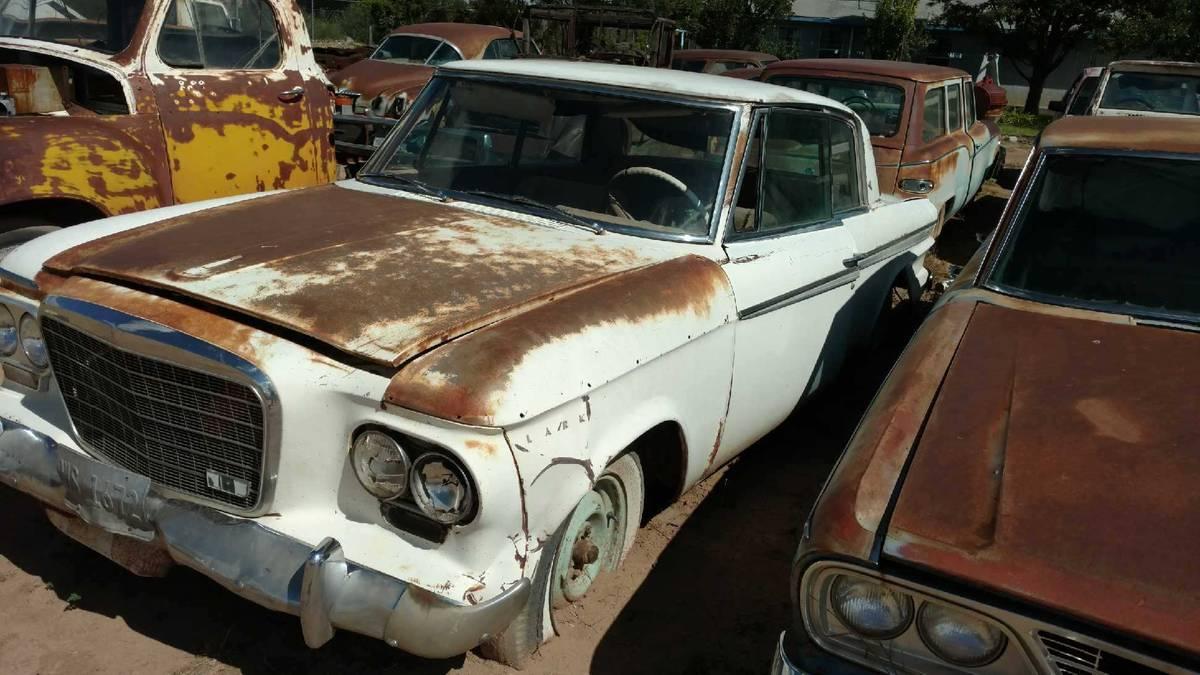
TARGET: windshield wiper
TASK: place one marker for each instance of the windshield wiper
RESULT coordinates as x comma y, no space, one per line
558,211
391,180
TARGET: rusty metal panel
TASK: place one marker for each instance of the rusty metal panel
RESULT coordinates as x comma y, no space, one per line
1137,134
381,276
1060,465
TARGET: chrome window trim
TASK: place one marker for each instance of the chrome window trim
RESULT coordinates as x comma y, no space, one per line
440,40
1019,627
150,339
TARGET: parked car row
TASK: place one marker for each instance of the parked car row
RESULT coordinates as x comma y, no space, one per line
1134,88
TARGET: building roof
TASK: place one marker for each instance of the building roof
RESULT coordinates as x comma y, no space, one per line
657,80
718,54
1136,134
918,72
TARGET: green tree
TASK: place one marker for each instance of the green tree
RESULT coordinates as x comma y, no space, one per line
728,24
894,33
1166,29
1036,35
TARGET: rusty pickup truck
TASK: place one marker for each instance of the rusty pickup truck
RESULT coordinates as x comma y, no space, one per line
115,107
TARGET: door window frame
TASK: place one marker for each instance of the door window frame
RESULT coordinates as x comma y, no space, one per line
962,126
155,64
837,217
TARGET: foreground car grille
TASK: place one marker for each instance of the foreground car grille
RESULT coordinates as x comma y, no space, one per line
1069,656
184,429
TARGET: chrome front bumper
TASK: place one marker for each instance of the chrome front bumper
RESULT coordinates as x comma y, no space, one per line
781,664
319,584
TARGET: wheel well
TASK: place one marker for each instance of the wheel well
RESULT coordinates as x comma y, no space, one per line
51,211
663,452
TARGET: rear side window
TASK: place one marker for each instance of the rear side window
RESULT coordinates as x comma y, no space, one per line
220,35
954,93
934,115
504,48
1083,100
843,167
881,106
969,100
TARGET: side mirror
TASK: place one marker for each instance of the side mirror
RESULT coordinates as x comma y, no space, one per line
1058,106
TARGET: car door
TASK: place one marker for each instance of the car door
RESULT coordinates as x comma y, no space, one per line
786,249
232,100
985,143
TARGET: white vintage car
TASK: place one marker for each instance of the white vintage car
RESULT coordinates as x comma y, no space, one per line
429,405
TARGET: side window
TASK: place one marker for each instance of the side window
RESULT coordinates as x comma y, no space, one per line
220,35
954,98
504,48
843,167
444,54
1083,99
935,115
969,99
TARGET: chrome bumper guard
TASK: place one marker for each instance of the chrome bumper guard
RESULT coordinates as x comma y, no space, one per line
319,585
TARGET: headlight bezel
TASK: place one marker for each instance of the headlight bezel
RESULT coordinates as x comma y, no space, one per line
42,361
359,466
425,502
932,644
907,652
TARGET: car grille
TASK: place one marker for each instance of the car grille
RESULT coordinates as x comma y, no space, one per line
1069,656
184,429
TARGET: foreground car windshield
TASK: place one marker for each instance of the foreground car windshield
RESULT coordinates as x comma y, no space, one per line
617,162
1117,233
1153,92
82,23
879,105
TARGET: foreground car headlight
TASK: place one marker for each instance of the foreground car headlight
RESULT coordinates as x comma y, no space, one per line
441,489
380,464
32,343
958,637
8,332
869,608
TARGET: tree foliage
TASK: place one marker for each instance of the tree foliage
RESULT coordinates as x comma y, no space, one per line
894,33
1036,35
1165,29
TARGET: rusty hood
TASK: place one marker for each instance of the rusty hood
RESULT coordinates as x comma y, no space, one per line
1061,464
371,78
378,276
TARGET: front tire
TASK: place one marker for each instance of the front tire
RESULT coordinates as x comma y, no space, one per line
594,539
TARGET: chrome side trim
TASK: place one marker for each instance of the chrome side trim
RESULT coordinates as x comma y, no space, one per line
801,294
891,248
143,337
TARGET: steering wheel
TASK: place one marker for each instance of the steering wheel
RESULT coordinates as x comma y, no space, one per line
662,213
859,104
1137,101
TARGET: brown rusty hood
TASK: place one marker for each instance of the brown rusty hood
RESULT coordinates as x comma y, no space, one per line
371,78
374,275
1060,465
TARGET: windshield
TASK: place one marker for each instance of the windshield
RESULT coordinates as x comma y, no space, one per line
82,23
879,105
1153,92
1118,233
620,163
416,50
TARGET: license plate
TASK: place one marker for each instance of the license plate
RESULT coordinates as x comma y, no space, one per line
108,497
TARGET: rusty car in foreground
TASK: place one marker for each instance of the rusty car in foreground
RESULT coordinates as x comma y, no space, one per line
928,125
1021,495
126,106
428,405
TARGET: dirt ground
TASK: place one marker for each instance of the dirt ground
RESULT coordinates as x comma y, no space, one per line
705,589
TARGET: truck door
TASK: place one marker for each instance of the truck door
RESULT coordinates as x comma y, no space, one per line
231,95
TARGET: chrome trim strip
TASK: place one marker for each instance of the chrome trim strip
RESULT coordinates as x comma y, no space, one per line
150,339
891,248
801,294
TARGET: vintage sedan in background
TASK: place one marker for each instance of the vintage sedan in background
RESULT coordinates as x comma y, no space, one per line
1148,89
928,125
1081,93
1021,495
428,405
717,61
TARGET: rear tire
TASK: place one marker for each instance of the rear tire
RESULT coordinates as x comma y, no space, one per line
595,538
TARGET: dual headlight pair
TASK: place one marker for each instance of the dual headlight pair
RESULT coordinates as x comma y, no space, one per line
434,481
25,334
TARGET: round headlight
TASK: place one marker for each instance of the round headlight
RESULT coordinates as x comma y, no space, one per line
380,465
870,608
32,343
958,637
8,332
441,489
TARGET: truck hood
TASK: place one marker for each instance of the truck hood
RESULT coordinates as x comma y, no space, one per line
372,78
374,274
1060,465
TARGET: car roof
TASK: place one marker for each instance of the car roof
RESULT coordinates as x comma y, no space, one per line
1135,134
732,54
1155,66
917,72
657,80
468,37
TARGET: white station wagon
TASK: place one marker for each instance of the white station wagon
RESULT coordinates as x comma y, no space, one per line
429,404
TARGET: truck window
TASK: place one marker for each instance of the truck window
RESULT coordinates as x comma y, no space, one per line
795,182
881,106
1083,99
934,115
220,35
844,168
954,97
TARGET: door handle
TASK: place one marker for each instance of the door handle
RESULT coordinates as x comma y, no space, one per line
291,95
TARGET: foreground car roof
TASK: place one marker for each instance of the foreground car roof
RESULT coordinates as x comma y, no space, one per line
1135,134
657,80
918,72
